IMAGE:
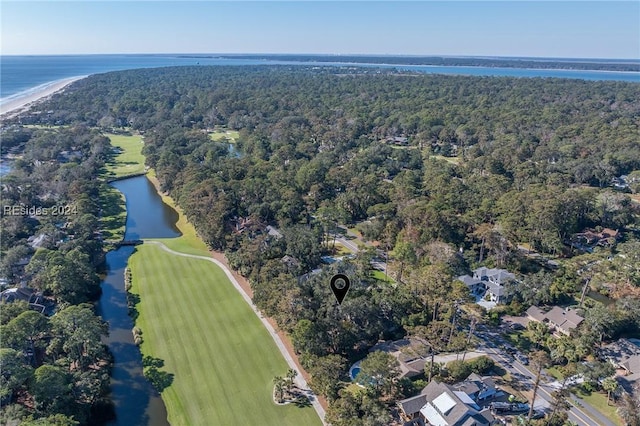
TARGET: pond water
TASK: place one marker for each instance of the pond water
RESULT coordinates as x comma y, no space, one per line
601,298
5,167
135,400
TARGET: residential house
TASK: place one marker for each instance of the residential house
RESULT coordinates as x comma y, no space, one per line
624,354
536,314
290,262
560,320
477,388
18,268
620,182
489,283
35,299
38,241
441,405
631,366
252,226
589,239
476,287
563,320
398,140
411,354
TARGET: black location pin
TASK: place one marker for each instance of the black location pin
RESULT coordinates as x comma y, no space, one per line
340,286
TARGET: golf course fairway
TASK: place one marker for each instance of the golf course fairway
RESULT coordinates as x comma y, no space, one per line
222,358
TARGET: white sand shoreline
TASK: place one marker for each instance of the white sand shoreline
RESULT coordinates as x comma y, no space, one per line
12,106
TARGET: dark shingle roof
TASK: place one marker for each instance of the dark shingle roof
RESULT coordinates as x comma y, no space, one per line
412,405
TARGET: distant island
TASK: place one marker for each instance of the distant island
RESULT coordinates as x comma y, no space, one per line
506,62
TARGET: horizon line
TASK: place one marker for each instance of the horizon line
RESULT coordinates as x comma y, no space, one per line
380,55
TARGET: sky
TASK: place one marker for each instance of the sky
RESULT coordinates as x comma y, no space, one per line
571,29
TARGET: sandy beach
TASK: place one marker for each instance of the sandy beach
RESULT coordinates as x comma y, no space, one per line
14,106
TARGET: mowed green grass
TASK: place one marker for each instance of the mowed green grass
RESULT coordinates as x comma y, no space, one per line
221,135
223,358
130,160
114,214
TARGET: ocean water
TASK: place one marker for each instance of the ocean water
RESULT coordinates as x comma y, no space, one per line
23,74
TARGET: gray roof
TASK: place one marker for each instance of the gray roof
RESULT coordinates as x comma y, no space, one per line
474,383
536,313
498,276
566,319
469,281
486,415
15,294
412,405
460,413
632,364
468,387
619,351
495,288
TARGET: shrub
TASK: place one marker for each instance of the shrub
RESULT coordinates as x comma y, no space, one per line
481,365
458,370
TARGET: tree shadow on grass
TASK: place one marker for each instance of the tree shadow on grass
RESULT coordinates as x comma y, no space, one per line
302,402
159,379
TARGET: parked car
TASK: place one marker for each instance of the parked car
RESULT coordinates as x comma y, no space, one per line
538,414
522,359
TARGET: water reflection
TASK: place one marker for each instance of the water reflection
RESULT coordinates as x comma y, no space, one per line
135,400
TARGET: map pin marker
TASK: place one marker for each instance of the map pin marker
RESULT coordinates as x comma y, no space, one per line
340,286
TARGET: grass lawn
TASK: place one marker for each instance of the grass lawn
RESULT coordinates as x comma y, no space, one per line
379,275
114,213
555,373
519,339
355,231
230,136
130,160
599,402
112,202
340,250
452,160
41,127
222,358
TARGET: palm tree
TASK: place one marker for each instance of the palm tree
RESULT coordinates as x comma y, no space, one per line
476,315
539,360
279,385
291,375
609,384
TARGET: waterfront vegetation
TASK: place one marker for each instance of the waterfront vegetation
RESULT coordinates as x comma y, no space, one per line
189,242
494,164
113,216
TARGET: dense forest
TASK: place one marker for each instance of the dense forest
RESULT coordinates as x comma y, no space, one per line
55,369
444,172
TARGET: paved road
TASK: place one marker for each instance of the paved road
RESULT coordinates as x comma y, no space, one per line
580,412
348,243
352,245
300,381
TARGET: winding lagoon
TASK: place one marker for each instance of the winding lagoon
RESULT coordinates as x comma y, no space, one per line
135,400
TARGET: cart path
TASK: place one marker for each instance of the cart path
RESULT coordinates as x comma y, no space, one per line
300,380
